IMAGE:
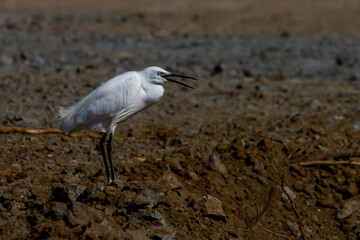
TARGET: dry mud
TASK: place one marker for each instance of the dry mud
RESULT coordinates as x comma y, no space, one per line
223,161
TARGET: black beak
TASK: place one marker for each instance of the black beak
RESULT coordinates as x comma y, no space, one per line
178,75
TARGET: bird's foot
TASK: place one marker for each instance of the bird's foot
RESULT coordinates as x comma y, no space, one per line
110,181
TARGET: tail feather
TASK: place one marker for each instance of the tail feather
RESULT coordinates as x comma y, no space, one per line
66,119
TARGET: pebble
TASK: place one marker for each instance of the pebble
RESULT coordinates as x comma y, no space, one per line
211,206
350,206
69,193
118,184
155,218
147,198
94,192
262,180
193,176
217,165
82,214
289,193
294,228
323,183
170,181
314,218
174,163
162,232
311,202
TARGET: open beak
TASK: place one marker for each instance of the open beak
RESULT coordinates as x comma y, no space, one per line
180,76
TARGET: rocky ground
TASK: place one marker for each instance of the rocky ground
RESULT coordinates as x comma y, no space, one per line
236,158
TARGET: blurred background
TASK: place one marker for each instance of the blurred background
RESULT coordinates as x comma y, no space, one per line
278,90
186,17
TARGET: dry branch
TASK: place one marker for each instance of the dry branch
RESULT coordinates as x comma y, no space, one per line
327,162
44,131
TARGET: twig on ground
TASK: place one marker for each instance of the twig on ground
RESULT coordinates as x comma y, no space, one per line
273,233
281,175
44,131
298,217
254,203
327,162
259,215
298,148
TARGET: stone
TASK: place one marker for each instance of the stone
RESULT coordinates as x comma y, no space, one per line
155,218
314,218
193,176
174,164
217,165
69,193
124,199
289,193
170,181
294,228
211,206
350,206
93,193
82,214
262,180
147,198
162,232
118,184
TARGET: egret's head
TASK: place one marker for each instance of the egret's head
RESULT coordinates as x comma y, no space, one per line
157,75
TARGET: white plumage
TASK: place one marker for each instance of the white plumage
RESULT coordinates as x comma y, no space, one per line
115,101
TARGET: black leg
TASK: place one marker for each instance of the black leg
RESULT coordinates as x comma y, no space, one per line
102,148
110,158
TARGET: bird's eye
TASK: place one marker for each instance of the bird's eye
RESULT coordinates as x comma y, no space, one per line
160,74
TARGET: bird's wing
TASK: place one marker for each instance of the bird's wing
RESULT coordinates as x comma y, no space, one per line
102,104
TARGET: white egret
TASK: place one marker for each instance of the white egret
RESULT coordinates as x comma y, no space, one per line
116,101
